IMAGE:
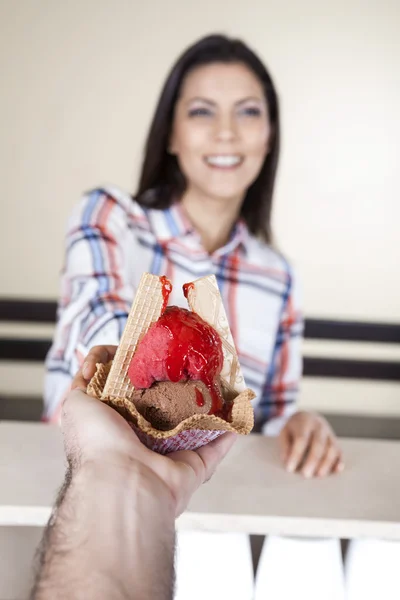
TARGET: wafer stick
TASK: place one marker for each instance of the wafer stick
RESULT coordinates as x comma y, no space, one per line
204,299
146,310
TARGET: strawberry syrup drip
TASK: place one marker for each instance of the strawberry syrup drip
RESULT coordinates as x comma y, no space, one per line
199,397
195,352
186,288
165,290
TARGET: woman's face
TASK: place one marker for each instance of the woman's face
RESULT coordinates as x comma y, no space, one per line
221,130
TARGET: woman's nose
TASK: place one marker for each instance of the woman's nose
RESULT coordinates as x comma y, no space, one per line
226,128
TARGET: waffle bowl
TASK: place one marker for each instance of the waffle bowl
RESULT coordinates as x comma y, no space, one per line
112,385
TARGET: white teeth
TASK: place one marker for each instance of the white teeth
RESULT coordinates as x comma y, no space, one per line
223,160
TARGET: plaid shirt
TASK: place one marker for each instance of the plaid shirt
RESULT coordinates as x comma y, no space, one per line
111,240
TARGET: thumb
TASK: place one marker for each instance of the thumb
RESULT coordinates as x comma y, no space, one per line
204,461
212,454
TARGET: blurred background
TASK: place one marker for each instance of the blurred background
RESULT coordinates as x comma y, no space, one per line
79,82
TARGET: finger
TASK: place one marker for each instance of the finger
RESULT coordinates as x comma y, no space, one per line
316,453
205,460
196,467
97,354
284,441
297,451
339,466
213,453
329,460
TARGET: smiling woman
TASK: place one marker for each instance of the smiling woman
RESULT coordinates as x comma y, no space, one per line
203,206
220,137
218,99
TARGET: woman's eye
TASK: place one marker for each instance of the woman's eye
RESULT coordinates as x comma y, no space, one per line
199,112
251,111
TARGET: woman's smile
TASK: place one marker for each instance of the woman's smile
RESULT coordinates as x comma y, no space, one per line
225,162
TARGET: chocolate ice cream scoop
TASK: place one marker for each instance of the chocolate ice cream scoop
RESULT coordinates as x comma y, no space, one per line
165,404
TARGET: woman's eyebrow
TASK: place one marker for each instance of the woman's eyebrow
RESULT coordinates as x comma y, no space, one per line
238,103
200,99
250,99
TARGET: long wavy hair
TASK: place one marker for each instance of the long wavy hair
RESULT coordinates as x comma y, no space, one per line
161,180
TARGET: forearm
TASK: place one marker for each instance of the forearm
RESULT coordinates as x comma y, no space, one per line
111,537
93,312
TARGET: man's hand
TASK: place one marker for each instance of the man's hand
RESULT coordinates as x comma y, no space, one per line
95,433
308,444
113,526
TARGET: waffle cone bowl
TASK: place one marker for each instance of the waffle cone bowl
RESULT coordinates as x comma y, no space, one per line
111,383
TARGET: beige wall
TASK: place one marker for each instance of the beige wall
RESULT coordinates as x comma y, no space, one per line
79,81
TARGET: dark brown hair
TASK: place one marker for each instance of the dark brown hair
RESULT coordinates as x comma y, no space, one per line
161,180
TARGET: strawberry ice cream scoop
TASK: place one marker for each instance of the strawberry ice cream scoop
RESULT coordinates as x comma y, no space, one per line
180,346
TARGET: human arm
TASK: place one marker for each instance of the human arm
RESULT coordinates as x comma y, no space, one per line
282,379
96,546
307,442
112,534
96,289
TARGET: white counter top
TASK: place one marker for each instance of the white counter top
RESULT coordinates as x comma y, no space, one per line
250,491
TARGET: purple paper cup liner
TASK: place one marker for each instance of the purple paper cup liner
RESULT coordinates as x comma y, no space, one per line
189,439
